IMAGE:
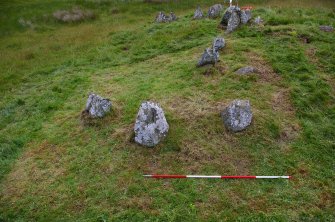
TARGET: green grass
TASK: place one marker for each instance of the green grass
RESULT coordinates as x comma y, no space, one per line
55,168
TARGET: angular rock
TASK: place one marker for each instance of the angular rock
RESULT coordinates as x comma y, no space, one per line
218,43
172,17
234,22
210,56
161,17
96,106
198,14
245,16
258,21
237,116
151,126
228,13
246,70
215,10
326,28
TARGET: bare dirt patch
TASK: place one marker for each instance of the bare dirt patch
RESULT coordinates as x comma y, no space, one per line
264,70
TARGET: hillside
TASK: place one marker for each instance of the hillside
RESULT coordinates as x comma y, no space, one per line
53,167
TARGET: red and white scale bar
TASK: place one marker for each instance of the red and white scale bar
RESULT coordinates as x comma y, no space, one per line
166,176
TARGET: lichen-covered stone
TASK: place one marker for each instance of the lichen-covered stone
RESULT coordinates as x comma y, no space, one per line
151,126
234,22
258,21
96,106
215,10
210,56
172,17
246,70
198,14
219,43
326,28
227,14
245,16
237,116
162,17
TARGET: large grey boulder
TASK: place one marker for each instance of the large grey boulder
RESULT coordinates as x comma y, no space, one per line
219,43
234,22
245,16
237,116
151,126
210,56
215,10
96,106
227,14
246,70
198,14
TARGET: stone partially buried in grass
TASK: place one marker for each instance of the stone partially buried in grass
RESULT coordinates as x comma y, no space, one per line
246,70
219,43
74,15
96,106
237,116
151,126
198,14
215,11
210,56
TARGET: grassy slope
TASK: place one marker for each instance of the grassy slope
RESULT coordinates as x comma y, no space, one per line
65,170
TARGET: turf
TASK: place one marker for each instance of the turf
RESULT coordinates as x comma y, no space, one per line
53,167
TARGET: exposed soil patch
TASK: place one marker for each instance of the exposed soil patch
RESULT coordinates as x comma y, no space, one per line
264,70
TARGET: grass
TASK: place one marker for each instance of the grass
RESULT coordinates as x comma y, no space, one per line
55,168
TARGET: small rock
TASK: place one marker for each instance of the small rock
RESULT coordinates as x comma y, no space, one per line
74,15
245,16
151,126
233,22
218,43
198,14
172,17
326,28
246,70
209,56
215,10
258,21
161,17
97,106
237,116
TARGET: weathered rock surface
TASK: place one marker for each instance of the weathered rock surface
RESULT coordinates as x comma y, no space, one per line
219,43
172,17
215,10
227,14
326,28
237,116
210,56
234,22
245,16
198,14
258,21
233,17
161,17
96,106
151,126
246,70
